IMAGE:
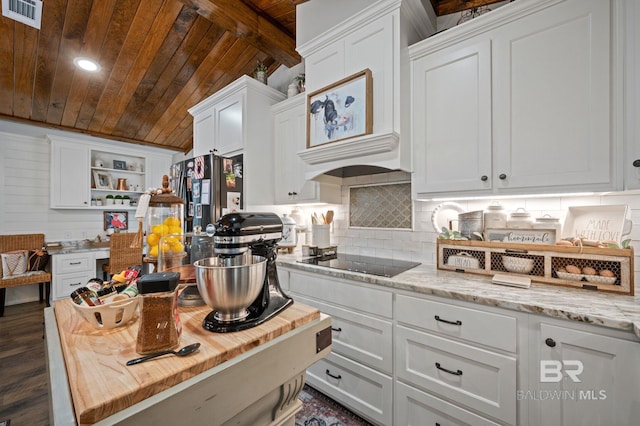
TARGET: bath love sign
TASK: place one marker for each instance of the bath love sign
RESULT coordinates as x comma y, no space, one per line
599,223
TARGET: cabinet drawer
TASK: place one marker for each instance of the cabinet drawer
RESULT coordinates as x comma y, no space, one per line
69,263
359,388
474,377
486,328
414,407
360,337
340,292
64,285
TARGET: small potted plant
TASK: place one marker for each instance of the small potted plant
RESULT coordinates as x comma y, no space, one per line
126,200
300,80
260,73
118,199
98,201
109,199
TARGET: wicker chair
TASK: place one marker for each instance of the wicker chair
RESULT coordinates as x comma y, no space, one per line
121,255
23,242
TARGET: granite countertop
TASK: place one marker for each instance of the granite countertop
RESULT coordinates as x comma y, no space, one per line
608,310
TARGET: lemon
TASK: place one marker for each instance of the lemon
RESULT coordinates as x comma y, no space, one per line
177,247
153,251
153,239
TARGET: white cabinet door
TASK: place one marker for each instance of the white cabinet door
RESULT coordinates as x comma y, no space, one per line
584,378
291,186
229,124
552,87
451,119
70,175
632,99
203,132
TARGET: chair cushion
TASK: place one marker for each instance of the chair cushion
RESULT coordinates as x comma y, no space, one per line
14,263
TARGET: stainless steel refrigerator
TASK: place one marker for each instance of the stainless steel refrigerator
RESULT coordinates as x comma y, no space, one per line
210,185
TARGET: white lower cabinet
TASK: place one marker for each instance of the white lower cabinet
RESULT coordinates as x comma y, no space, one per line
358,372
417,408
458,368
70,272
583,375
404,358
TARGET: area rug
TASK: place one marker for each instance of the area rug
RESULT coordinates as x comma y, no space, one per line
320,410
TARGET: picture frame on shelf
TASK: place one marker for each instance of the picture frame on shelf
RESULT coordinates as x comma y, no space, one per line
341,110
102,180
119,165
116,220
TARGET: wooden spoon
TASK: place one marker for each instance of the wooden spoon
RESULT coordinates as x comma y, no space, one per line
329,217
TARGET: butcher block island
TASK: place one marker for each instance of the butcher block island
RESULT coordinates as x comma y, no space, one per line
247,377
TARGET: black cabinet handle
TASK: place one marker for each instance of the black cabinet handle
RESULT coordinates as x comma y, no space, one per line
484,178
455,373
336,329
636,163
457,322
550,342
502,176
328,373
290,194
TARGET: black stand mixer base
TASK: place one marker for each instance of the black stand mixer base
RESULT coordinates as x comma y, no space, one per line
276,305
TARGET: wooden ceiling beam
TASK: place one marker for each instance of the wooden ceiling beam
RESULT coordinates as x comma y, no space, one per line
245,23
445,7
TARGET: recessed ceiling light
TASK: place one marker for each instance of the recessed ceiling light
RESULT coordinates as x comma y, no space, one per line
87,64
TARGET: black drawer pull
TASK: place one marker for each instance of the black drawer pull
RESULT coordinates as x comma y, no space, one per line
328,373
458,322
636,163
74,284
455,373
336,329
550,342
502,176
484,178
75,263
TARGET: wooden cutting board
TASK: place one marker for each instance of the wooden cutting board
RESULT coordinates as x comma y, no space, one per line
100,382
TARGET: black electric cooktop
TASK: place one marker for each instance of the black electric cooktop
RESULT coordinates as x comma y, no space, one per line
363,264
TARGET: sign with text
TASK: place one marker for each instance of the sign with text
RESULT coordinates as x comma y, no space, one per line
522,236
599,223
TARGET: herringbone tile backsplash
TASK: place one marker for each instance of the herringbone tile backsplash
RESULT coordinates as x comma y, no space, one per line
380,206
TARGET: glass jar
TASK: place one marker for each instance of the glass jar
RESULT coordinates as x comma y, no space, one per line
165,215
159,326
549,222
495,217
520,219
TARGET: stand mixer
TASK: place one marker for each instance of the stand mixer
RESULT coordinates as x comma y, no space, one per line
241,283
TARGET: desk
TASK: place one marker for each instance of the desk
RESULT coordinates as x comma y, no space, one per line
72,267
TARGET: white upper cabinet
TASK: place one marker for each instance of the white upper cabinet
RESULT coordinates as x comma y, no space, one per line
632,99
70,174
451,106
521,100
289,137
373,39
82,171
238,120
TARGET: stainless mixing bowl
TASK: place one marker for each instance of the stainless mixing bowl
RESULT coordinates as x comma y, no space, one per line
229,285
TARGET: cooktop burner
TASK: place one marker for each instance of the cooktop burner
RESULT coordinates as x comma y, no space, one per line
363,264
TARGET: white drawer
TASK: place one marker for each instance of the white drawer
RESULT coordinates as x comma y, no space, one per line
414,407
64,285
360,337
68,263
495,330
340,292
474,377
363,390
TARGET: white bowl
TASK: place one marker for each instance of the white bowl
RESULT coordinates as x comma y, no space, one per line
600,279
518,265
568,276
109,315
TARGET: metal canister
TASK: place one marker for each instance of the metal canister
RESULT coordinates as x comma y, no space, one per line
470,223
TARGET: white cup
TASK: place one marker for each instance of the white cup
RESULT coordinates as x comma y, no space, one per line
320,235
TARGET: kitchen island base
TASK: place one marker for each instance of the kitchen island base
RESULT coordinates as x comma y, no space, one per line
256,386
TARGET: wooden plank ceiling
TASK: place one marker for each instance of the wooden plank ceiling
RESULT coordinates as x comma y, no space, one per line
158,58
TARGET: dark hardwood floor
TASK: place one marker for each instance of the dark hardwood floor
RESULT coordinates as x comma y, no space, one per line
24,384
